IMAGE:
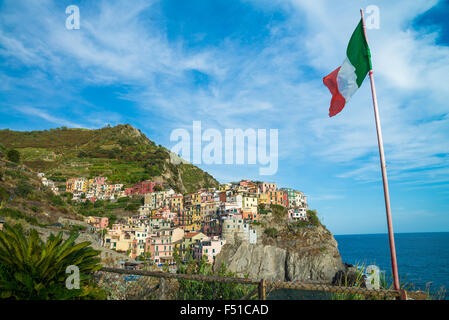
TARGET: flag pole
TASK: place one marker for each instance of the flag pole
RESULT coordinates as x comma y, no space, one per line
394,264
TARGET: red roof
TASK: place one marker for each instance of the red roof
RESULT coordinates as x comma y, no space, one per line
191,234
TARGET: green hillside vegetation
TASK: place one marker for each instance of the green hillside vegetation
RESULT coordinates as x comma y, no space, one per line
121,153
23,197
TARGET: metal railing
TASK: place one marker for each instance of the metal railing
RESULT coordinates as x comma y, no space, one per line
263,285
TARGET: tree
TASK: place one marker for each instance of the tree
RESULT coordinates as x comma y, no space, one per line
13,155
23,189
82,154
4,195
33,269
312,217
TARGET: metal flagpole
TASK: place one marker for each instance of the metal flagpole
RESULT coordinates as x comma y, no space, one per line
394,264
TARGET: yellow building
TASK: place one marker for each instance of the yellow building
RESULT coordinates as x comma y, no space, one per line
249,200
192,199
76,185
194,218
263,198
176,202
190,239
224,187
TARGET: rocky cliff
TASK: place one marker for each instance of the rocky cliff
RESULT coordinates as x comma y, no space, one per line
307,253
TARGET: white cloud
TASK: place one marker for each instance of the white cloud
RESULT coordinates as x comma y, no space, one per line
276,86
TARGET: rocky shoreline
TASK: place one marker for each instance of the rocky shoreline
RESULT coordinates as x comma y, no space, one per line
310,255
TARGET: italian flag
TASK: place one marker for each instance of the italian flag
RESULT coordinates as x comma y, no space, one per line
346,79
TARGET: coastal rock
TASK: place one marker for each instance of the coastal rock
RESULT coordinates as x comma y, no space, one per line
256,261
312,256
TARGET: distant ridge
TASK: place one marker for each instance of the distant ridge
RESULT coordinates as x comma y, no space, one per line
122,153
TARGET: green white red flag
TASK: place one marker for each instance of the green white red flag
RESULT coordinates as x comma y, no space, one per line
346,79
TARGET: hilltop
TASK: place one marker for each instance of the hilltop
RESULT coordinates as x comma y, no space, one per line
122,153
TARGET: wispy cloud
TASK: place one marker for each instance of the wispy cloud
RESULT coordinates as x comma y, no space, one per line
35,112
237,82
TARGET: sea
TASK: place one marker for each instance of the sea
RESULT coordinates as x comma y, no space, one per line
423,260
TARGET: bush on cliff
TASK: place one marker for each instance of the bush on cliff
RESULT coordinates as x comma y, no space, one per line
271,232
13,155
313,218
35,270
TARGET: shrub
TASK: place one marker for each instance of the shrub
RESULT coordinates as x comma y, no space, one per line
313,219
32,269
123,199
271,232
57,201
13,156
202,290
4,194
16,214
23,189
279,212
132,207
82,154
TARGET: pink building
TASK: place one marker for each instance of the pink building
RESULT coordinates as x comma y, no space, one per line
160,246
142,188
99,180
208,247
265,187
101,223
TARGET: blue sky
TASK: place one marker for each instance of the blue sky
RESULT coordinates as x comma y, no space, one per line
159,65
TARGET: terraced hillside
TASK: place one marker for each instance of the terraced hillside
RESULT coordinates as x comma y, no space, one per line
121,153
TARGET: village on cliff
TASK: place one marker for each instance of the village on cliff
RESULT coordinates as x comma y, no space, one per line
195,225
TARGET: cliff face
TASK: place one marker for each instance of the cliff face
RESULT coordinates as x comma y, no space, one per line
310,254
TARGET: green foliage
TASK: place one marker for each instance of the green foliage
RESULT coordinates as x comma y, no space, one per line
359,282
157,188
279,212
33,269
82,154
77,227
57,200
4,194
112,218
359,279
115,152
23,189
13,155
202,290
271,232
261,209
123,199
99,204
16,214
132,207
313,218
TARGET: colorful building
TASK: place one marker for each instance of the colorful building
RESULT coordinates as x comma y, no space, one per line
142,188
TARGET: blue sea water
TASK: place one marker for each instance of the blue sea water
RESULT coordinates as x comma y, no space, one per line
423,258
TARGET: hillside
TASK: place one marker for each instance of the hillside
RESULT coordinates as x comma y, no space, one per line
23,197
121,153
